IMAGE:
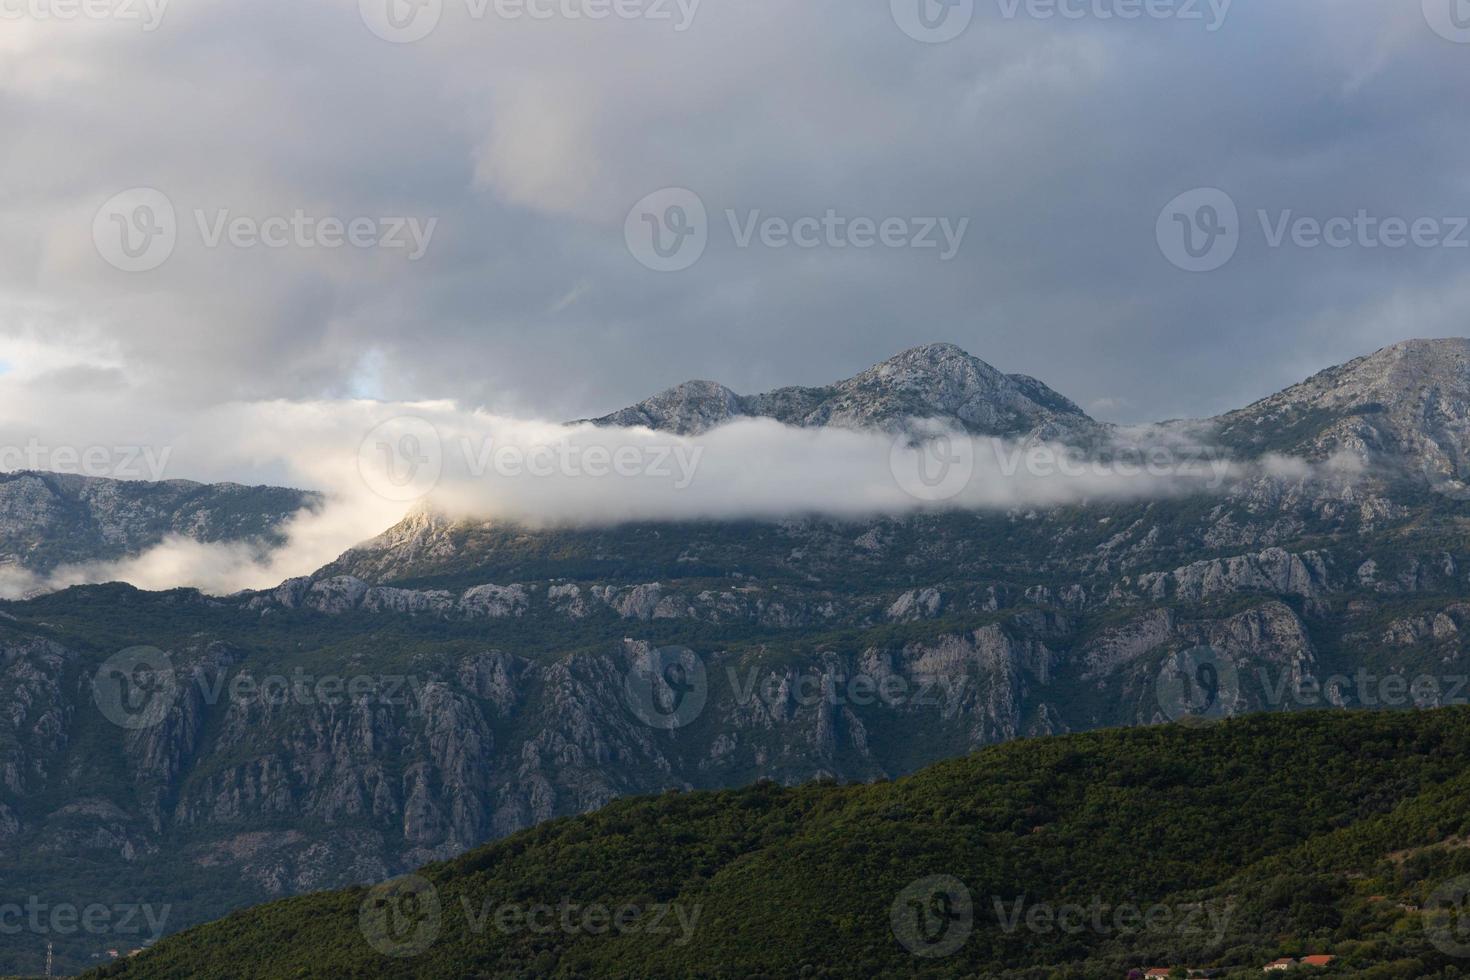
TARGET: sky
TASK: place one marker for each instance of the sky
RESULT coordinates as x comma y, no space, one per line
519,207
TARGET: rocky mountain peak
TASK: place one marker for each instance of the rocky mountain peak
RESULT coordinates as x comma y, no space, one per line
935,381
1410,400
694,406
938,358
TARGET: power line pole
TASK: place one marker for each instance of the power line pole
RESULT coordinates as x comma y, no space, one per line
48,960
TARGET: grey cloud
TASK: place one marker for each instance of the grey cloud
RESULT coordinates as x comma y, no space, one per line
1061,140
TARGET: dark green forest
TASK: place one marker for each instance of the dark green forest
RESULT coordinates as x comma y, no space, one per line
1213,847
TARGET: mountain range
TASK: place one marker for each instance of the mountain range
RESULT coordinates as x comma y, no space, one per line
510,675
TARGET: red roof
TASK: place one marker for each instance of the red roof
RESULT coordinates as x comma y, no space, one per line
1318,960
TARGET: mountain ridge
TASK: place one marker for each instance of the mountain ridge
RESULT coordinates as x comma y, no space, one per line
932,381
51,519
1410,399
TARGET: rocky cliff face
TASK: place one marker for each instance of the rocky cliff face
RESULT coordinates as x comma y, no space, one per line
449,750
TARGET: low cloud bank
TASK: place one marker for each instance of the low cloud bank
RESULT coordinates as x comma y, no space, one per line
376,462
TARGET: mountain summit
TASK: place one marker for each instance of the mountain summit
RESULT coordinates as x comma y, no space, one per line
1410,400
936,381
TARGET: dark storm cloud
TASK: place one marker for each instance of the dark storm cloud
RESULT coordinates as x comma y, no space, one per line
528,141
